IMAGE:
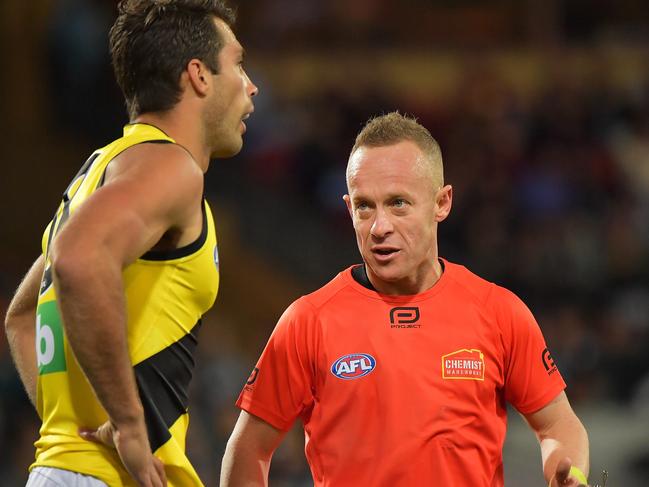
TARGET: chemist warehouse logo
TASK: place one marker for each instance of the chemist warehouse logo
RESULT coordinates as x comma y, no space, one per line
353,366
463,364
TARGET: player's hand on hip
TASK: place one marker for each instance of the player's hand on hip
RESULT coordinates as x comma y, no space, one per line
103,434
563,478
132,445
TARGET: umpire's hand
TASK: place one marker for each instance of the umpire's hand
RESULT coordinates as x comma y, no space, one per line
562,476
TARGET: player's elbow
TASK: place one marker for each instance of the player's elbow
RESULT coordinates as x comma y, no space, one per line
64,266
71,265
11,322
17,318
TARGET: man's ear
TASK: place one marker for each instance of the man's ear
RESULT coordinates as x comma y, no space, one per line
348,202
443,202
199,77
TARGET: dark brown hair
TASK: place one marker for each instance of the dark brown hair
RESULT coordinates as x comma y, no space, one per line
152,41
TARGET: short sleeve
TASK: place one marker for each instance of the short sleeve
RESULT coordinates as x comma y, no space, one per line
280,386
532,379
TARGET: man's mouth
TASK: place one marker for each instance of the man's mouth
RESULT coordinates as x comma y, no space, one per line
384,253
245,117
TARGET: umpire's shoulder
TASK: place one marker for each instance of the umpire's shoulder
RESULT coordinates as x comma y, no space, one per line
325,294
475,287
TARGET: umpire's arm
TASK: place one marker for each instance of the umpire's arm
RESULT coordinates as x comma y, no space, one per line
563,440
250,448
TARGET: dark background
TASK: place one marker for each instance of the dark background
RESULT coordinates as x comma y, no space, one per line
541,108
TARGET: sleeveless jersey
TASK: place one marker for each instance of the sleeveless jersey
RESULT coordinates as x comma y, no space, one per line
167,292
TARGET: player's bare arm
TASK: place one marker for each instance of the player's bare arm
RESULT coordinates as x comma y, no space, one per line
563,440
20,329
248,453
151,191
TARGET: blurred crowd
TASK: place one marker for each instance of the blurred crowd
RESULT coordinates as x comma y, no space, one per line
551,200
550,177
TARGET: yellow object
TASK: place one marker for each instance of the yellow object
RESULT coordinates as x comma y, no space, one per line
576,473
166,295
579,475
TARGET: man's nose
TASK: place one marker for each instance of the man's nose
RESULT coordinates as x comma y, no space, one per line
253,90
382,225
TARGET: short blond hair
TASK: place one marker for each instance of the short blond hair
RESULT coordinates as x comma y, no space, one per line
393,128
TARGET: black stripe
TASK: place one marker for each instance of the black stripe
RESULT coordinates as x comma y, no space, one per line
182,251
84,169
163,383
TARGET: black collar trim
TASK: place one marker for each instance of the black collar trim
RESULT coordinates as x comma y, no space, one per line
359,273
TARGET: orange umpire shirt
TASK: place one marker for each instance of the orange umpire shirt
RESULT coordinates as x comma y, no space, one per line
403,390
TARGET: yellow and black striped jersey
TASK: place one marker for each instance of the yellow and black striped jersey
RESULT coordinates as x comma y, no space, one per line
166,294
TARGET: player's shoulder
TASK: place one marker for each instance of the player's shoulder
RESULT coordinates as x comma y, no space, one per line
159,168
167,158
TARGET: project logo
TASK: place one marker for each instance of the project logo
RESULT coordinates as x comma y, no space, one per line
548,362
404,317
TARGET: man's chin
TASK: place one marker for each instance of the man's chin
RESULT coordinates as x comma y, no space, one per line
224,151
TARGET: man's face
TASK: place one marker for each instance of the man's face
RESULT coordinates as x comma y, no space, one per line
395,206
231,99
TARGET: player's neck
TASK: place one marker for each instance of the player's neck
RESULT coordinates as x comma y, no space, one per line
183,131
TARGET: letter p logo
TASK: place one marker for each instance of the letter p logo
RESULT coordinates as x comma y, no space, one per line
404,315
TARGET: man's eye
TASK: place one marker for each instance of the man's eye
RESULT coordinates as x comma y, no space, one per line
399,203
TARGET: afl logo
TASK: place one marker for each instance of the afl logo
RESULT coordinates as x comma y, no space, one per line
353,366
